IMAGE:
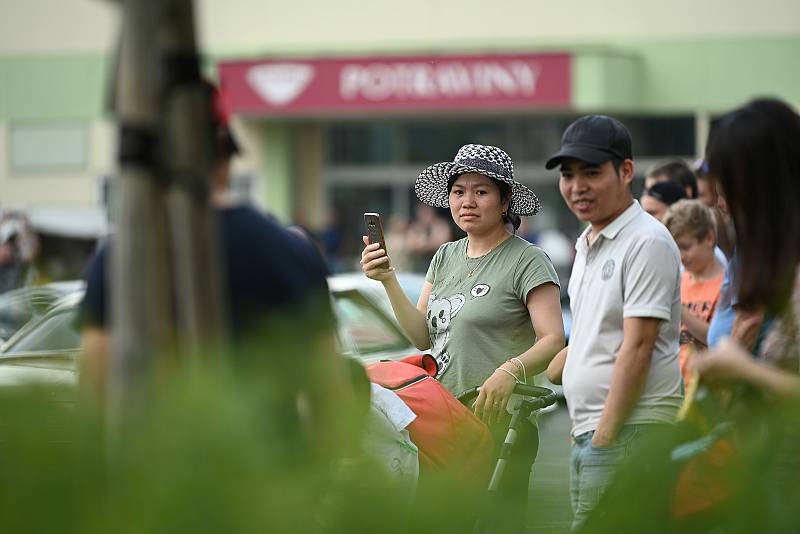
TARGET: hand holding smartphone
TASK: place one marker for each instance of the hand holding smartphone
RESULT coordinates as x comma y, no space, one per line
375,231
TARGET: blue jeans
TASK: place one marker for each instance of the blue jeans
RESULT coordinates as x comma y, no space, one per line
593,468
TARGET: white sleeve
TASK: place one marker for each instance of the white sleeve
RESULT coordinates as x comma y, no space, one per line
651,279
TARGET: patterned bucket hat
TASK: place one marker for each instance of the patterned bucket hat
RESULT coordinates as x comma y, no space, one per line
431,185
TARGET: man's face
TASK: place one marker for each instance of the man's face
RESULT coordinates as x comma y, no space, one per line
596,193
654,207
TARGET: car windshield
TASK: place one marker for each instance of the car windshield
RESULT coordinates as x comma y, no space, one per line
55,332
363,327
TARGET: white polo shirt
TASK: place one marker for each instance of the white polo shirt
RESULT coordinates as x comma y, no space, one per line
631,270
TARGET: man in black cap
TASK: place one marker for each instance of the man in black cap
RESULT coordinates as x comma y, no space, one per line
620,371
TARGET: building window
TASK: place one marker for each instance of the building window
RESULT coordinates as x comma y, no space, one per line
48,146
661,137
530,139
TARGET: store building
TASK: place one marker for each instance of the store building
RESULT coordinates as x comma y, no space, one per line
338,105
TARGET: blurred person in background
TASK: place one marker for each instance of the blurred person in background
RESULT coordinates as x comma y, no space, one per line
746,325
397,236
426,233
331,238
620,370
692,225
675,171
706,188
707,194
489,310
754,155
278,307
657,199
19,247
660,196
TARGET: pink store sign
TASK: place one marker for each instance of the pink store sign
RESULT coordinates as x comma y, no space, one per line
301,87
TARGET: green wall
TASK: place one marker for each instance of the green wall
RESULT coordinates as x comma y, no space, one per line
52,87
685,76
717,75
277,156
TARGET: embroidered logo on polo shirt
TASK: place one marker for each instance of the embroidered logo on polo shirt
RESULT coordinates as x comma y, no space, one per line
608,270
480,290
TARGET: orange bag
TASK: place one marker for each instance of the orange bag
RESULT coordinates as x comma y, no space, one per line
449,436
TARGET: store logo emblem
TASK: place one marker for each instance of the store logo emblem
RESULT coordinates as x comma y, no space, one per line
280,83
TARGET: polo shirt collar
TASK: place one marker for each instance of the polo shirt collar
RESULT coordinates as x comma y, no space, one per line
613,228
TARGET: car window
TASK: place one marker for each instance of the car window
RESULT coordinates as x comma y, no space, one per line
365,327
56,332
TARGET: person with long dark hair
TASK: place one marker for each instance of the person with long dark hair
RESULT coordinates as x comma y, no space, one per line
754,155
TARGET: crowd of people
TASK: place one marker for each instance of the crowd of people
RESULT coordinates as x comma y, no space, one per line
697,282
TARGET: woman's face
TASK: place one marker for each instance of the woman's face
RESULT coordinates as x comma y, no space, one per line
475,203
654,207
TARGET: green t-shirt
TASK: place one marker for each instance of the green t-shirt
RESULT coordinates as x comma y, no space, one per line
477,317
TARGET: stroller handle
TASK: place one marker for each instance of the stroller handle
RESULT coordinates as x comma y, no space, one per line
525,390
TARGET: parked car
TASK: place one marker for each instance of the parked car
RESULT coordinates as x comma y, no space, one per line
44,349
367,327
19,306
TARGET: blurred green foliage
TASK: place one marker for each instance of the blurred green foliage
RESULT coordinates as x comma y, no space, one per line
210,450
736,473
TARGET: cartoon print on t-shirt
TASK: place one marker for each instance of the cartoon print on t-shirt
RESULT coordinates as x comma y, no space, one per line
440,313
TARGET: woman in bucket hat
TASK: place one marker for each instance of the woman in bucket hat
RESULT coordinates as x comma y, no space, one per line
489,310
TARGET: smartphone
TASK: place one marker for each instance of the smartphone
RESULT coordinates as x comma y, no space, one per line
375,230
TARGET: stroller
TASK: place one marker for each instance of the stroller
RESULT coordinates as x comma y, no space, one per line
455,447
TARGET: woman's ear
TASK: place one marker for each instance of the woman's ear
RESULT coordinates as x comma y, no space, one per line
505,202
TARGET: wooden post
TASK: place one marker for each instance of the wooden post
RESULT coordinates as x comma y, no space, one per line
139,275
190,147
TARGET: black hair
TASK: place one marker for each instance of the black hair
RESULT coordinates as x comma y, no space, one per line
667,192
510,216
754,152
676,171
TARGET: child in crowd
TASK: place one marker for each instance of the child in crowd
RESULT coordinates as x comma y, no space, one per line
693,227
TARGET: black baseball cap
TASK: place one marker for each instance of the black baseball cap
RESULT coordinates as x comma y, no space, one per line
594,139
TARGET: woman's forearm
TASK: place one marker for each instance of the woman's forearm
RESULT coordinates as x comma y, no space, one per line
538,357
411,320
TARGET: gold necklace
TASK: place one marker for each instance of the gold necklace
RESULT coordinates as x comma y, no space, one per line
475,267
480,259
